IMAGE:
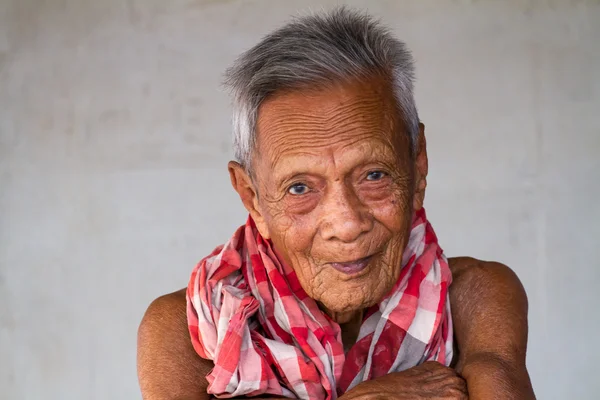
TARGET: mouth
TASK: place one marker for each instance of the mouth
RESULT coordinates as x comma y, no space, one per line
352,267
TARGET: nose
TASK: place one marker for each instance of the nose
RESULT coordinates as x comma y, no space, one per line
346,218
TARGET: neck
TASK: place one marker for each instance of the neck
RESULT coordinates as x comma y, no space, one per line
342,317
350,324
345,317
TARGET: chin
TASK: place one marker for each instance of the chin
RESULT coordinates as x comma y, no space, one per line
344,304
356,295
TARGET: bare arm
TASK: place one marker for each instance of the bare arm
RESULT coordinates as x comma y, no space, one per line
489,308
168,366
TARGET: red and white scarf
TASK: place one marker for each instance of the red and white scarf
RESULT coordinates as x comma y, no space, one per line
248,314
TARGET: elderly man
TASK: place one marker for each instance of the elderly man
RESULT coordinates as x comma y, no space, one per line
336,286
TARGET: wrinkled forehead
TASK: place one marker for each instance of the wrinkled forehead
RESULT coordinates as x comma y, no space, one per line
343,117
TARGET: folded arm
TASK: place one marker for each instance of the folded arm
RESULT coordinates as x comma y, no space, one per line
489,308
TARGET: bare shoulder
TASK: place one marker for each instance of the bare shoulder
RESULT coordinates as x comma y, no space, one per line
462,263
165,321
476,280
168,366
171,306
472,279
475,268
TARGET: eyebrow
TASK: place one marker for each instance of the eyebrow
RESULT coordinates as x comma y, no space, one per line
280,181
283,180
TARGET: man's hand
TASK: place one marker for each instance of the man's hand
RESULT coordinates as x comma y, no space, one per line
430,380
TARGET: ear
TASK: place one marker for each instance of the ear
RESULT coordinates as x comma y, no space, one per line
244,186
421,169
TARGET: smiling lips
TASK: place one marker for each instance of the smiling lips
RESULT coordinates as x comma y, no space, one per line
352,267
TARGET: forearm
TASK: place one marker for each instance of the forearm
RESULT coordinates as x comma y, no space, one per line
490,377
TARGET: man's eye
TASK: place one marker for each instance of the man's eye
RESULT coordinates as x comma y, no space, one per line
375,175
298,189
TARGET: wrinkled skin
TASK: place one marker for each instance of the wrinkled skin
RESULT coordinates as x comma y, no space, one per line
430,380
489,309
334,180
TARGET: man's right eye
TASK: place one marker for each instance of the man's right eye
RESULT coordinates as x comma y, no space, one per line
298,189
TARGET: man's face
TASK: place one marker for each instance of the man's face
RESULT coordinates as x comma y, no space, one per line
334,180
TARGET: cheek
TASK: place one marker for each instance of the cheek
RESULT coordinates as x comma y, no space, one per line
292,236
298,206
293,240
393,211
392,215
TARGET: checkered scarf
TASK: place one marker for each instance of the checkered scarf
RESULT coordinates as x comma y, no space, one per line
248,313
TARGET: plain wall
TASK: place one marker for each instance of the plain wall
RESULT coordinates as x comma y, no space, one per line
114,139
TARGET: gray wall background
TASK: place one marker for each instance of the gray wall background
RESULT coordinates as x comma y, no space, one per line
114,138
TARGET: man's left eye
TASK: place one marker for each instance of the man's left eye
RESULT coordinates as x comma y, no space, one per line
375,175
298,189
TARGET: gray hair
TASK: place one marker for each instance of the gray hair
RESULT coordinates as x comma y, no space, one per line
312,50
